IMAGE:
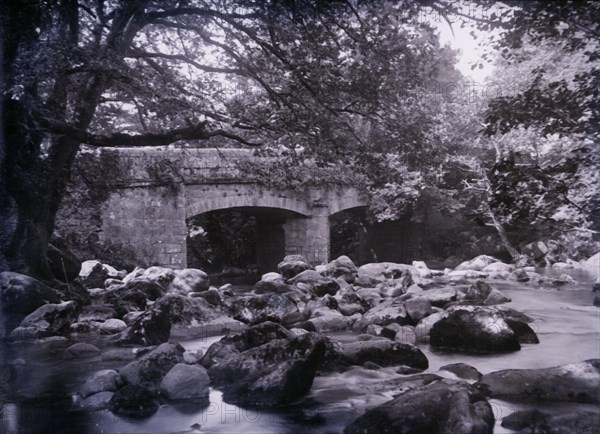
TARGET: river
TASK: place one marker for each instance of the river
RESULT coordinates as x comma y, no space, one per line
567,323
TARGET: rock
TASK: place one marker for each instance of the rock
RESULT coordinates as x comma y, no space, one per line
381,351
189,280
273,374
112,326
423,328
81,350
293,265
266,307
131,317
458,275
124,300
327,320
212,296
519,275
417,308
185,311
536,251
385,270
318,284
342,267
442,406
98,401
473,329
96,312
478,291
20,295
270,286
383,314
159,275
152,327
349,309
133,401
106,380
51,319
244,340
406,334
149,370
272,276
535,421
496,297
366,281
370,297
498,267
578,382
93,273
150,289
186,382
477,264
596,294
462,370
439,297
138,272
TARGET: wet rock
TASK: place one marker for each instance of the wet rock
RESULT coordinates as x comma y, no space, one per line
496,297
462,370
265,307
134,401
407,370
244,340
150,289
384,270
406,334
185,311
318,284
106,380
477,264
442,406
473,329
112,326
271,286
423,328
439,297
186,382
212,296
81,350
50,319
272,374
578,382
417,308
458,276
149,370
96,312
189,280
93,273
293,265
478,291
366,281
152,327
381,351
535,421
98,401
383,314
325,319
519,275
20,295
342,267
498,267
160,275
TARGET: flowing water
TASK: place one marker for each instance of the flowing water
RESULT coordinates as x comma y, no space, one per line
567,323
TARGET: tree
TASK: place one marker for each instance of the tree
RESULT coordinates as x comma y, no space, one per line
131,73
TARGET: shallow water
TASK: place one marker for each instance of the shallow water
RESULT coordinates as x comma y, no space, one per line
567,323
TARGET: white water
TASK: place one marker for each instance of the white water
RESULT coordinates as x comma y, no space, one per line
567,323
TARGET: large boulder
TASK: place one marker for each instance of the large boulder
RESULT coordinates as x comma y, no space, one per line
477,264
342,267
417,308
149,370
47,320
275,307
440,406
106,380
160,275
380,351
185,381
273,374
535,421
151,290
474,329
93,273
439,297
134,402
578,382
151,327
20,295
244,340
478,291
185,311
317,283
390,311
293,265
189,280
385,270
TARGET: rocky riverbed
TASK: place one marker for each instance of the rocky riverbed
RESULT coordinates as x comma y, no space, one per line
385,347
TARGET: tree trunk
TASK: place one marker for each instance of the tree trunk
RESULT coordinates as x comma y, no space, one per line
514,253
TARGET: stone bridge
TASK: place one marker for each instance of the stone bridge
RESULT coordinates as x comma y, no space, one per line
162,188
